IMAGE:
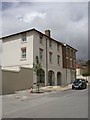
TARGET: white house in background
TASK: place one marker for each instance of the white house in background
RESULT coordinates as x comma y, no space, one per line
57,59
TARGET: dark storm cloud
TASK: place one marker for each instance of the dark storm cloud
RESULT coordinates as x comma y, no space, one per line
6,5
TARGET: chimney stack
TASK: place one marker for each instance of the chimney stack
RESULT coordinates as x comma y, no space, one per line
47,32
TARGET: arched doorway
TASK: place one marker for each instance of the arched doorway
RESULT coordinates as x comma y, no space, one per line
41,77
58,78
51,78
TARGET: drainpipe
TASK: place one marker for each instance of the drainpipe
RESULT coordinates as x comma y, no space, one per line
46,83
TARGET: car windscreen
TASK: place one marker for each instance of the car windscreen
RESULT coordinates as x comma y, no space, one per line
78,81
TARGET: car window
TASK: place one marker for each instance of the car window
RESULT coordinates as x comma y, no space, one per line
78,81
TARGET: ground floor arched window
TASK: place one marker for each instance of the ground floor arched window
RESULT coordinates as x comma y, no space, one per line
58,78
51,78
41,77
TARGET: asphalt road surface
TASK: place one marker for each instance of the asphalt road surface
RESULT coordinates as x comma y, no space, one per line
62,104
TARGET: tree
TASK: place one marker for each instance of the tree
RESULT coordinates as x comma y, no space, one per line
88,64
86,74
37,67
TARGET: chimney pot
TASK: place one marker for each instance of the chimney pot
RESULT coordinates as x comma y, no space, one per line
47,32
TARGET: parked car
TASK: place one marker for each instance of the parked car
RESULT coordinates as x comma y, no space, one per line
79,84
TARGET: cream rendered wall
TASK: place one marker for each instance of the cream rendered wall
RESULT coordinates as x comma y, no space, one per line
54,66
36,46
66,77
12,52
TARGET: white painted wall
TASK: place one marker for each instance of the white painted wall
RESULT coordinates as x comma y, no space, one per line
80,76
78,71
12,52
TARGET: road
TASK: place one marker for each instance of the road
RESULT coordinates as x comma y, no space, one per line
61,104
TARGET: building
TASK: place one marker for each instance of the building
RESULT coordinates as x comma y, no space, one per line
69,62
57,59
81,69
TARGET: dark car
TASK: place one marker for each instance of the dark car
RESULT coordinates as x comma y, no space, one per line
79,84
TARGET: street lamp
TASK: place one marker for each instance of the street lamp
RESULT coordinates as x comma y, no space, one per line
66,59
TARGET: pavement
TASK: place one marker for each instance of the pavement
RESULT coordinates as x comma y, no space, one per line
43,90
32,93
55,88
26,94
46,89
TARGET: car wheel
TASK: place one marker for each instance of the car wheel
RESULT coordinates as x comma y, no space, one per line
73,87
85,86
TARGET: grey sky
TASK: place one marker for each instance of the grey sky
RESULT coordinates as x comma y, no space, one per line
68,21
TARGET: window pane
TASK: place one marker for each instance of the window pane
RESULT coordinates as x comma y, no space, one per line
50,43
58,59
23,50
50,57
23,37
57,46
41,38
40,53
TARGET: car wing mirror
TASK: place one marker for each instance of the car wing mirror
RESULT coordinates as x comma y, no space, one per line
86,81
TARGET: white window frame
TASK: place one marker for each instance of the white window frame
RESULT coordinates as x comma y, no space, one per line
58,47
40,54
41,38
50,57
50,43
23,38
58,59
23,53
71,65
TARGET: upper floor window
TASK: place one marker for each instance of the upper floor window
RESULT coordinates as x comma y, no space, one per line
74,54
58,59
58,46
67,62
74,63
70,62
66,50
50,57
24,37
70,51
23,53
40,53
41,38
50,43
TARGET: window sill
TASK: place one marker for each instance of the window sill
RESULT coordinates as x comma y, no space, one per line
58,64
41,43
23,59
23,42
